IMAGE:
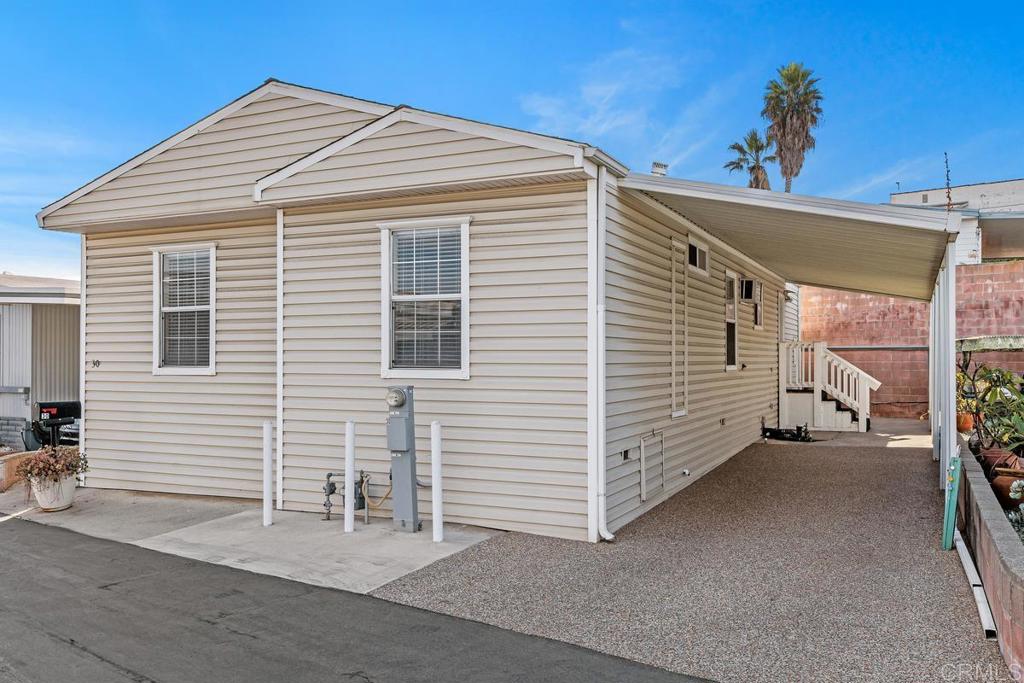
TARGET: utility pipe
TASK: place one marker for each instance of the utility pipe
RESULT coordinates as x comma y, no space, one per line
268,473
436,513
350,476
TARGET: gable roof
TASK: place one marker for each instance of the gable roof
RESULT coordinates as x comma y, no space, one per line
389,115
576,150
270,86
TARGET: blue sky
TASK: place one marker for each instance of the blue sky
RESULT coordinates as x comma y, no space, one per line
88,85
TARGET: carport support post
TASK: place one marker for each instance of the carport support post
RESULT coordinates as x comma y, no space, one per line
945,357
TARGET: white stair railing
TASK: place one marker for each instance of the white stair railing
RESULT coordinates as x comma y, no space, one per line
812,365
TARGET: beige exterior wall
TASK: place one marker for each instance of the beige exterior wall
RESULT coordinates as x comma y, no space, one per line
724,407
179,434
515,432
409,155
215,169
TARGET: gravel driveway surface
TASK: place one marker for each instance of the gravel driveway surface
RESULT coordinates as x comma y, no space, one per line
787,563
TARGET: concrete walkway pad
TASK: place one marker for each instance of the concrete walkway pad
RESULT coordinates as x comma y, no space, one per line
299,545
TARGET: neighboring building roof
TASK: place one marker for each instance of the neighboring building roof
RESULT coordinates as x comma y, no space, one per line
27,289
953,187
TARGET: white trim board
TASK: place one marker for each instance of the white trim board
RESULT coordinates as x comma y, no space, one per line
403,113
269,87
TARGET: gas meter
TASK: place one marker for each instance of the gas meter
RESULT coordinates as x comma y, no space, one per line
401,433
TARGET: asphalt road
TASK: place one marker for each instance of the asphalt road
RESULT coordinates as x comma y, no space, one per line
77,608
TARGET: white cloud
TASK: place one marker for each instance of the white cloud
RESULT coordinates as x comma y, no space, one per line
620,101
904,170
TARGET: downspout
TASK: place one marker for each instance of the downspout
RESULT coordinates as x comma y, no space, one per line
602,356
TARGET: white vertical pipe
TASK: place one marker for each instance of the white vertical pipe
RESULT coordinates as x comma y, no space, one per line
350,476
268,472
436,487
279,400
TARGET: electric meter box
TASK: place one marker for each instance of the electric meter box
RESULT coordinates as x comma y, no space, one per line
401,436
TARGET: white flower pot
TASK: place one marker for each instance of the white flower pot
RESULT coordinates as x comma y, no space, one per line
53,496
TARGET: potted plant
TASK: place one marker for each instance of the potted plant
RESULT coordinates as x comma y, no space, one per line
966,402
50,472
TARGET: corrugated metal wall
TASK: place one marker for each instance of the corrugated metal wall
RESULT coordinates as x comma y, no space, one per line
15,369
55,352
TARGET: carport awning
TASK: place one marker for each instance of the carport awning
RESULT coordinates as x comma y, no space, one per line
880,249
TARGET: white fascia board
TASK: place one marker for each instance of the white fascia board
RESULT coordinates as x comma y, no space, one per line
319,155
617,168
270,87
427,119
903,216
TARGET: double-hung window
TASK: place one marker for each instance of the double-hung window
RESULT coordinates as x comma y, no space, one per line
184,309
731,300
425,298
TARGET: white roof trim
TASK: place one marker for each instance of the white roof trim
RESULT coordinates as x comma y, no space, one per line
576,151
903,216
270,87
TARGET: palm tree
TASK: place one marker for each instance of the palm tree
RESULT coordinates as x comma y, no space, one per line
792,105
751,156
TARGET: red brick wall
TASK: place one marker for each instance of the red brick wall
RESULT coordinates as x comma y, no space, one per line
990,300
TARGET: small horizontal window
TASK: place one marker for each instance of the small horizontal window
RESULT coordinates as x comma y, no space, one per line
697,256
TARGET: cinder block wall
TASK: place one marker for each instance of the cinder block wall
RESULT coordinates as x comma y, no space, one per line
990,300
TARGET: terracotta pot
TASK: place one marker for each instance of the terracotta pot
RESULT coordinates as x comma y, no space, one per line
1001,487
964,422
997,457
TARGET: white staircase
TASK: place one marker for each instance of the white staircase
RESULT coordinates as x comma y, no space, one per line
822,390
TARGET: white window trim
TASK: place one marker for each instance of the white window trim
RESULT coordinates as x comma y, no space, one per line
211,369
386,371
705,272
683,246
735,319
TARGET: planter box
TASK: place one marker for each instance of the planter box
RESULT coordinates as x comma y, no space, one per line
999,556
9,463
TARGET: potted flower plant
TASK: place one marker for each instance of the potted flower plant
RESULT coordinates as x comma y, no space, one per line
50,472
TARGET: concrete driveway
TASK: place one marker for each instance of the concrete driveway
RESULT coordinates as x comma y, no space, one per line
790,562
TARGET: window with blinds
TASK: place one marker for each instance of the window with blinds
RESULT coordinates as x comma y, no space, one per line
185,308
426,298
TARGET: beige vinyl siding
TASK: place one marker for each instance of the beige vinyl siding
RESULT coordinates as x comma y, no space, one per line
411,155
791,314
179,434
215,169
639,360
515,432
55,352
